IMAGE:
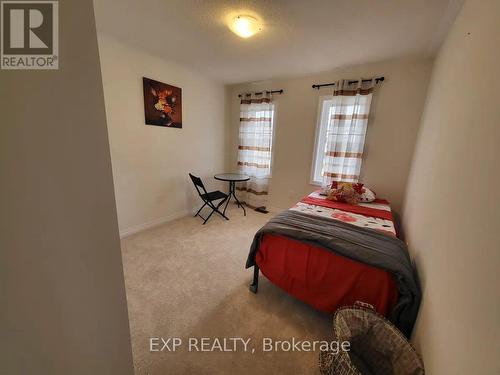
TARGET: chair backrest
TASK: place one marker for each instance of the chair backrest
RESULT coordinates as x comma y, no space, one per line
198,184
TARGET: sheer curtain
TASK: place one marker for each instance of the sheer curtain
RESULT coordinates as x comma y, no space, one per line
255,148
345,135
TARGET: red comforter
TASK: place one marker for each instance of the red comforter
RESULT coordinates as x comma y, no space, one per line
321,278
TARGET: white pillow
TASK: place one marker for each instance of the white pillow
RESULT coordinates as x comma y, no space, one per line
368,196
325,189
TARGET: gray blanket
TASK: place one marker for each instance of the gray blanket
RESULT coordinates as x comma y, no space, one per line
360,244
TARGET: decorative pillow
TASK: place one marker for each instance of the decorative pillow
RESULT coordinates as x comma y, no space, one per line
358,187
345,192
349,192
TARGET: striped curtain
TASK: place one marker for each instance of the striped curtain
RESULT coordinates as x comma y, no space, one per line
254,148
345,135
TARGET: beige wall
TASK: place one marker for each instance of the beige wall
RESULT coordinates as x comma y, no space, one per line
62,296
396,110
451,213
151,163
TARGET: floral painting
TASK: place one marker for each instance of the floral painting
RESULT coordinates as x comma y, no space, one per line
162,104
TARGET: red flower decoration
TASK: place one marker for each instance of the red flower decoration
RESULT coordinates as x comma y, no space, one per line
344,217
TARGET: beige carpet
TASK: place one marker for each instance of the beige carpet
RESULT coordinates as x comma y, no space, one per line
185,279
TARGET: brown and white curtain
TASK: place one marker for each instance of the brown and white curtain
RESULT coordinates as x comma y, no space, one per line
345,135
255,148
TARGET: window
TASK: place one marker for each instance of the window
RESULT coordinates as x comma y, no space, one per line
324,113
340,138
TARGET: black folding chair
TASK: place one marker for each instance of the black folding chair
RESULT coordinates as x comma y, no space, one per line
208,198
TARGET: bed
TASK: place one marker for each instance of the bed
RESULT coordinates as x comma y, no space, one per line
331,254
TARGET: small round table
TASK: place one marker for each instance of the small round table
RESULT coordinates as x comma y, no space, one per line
232,178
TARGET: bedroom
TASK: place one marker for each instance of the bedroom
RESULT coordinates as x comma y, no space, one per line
99,228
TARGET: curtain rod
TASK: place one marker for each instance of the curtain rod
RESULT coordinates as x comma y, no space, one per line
377,80
262,92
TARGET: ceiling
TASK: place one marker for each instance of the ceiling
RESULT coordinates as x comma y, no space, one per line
298,36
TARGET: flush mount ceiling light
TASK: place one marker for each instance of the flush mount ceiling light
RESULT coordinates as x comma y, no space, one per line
245,26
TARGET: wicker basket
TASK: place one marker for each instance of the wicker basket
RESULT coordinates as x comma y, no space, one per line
377,346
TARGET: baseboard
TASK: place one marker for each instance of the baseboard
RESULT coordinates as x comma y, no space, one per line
153,223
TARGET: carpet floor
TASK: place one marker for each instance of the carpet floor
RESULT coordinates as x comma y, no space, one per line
188,280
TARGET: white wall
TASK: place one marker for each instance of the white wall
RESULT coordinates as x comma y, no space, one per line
62,294
452,211
151,163
392,129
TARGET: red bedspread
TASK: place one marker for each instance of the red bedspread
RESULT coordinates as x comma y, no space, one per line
323,279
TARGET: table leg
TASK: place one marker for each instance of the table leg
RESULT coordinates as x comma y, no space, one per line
227,199
232,192
239,203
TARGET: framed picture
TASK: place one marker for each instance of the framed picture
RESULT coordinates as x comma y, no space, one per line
162,104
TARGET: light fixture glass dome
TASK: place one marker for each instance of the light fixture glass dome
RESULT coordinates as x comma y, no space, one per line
245,26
